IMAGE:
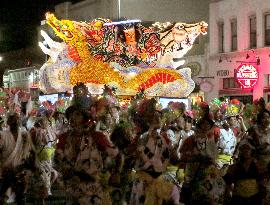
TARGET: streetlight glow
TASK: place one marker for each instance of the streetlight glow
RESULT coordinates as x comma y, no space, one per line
1,58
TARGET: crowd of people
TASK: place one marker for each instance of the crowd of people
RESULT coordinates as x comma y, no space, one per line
98,152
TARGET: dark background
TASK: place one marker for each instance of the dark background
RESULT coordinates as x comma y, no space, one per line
19,20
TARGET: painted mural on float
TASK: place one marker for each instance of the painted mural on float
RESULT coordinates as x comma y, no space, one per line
124,54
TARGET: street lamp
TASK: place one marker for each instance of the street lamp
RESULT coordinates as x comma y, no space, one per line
1,58
119,9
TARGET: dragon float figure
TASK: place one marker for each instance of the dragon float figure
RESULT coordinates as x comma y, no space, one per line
127,56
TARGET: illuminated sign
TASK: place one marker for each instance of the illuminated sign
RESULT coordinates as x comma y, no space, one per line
246,75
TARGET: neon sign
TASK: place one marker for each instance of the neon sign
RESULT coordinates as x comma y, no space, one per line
246,75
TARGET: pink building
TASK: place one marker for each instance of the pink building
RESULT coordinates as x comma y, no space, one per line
239,33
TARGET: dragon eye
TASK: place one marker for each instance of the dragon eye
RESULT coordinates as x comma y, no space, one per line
180,27
67,34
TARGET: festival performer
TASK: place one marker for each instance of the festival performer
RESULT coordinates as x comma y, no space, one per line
17,159
187,131
121,177
266,200
259,136
177,127
176,113
218,109
107,112
60,123
184,133
80,158
244,179
202,184
105,124
235,119
153,156
166,121
44,140
226,145
82,98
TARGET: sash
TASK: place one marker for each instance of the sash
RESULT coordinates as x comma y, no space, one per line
246,188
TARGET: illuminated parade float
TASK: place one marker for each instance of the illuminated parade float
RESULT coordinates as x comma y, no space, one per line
125,55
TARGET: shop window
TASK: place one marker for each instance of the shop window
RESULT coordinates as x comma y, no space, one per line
221,37
266,82
252,32
267,29
234,34
230,83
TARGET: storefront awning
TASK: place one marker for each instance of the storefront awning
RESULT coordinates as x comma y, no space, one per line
235,91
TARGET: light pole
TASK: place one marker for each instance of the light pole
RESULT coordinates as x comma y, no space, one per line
119,9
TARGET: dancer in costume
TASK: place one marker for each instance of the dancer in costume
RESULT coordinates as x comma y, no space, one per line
235,120
121,179
176,114
244,179
186,132
202,184
107,112
17,159
259,136
226,145
60,123
153,156
81,162
217,111
44,139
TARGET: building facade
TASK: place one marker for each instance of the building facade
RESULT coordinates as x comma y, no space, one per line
239,35
24,78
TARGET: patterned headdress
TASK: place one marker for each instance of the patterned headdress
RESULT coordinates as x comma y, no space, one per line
218,105
107,100
234,108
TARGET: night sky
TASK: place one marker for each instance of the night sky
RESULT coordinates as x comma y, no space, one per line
19,20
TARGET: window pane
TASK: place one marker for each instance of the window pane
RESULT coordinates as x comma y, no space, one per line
253,23
231,83
221,37
234,43
253,40
234,34
267,21
267,37
253,32
267,29
236,84
234,27
225,83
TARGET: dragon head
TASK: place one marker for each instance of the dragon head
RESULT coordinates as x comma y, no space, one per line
203,27
65,29
183,30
